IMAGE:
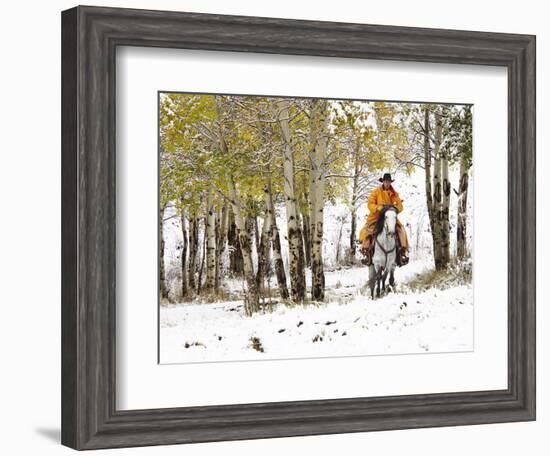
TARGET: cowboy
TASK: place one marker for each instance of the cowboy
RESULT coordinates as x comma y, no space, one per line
381,196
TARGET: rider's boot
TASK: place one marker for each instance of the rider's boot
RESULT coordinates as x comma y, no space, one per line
367,252
371,251
367,260
403,256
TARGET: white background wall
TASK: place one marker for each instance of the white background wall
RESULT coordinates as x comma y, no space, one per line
30,230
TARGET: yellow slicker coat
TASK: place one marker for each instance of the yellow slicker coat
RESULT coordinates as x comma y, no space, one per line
377,199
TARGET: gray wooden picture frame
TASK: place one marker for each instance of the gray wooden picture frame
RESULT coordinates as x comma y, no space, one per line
90,36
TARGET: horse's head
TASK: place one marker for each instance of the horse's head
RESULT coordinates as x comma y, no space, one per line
387,220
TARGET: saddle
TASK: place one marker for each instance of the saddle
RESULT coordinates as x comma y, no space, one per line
368,241
368,251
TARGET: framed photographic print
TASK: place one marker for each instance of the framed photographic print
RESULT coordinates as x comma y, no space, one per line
278,227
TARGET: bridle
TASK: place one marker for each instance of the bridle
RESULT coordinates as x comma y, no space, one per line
387,252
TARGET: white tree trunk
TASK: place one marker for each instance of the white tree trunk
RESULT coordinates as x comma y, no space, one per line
221,239
445,202
193,250
203,258
428,168
319,118
353,203
437,194
251,302
461,250
184,286
264,249
276,242
252,298
162,277
210,243
296,257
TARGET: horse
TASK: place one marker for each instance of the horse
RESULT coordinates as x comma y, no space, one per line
385,251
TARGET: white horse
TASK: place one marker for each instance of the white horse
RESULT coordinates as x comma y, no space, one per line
385,251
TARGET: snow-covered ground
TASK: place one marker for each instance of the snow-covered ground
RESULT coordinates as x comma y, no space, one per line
349,324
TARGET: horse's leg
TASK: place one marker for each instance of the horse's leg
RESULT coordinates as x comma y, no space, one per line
384,277
392,278
372,278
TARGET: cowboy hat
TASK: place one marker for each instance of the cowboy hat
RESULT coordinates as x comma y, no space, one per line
386,176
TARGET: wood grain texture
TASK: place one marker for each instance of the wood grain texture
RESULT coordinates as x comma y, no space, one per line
89,39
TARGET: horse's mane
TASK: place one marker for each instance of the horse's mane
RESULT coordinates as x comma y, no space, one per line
381,217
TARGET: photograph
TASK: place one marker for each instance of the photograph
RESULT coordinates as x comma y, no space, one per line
294,227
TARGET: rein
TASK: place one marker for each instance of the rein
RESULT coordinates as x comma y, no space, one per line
387,252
